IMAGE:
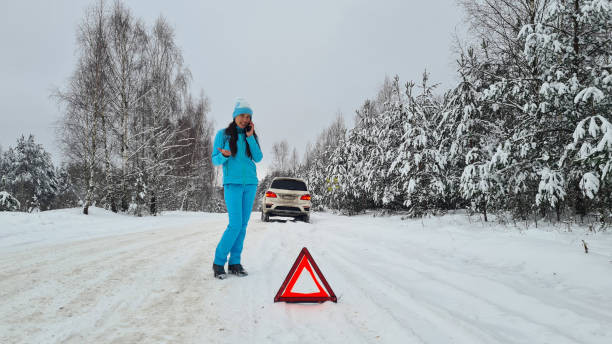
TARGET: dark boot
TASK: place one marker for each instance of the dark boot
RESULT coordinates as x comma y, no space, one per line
237,269
219,271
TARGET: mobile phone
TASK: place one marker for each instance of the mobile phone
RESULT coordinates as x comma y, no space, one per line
248,127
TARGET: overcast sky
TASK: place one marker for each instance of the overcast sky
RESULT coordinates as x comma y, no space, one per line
297,62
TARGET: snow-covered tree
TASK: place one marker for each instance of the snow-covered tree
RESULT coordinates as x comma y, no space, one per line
8,202
386,134
192,176
66,196
130,124
167,79
527,130
420,160
573,51
346,182
29,175
317,160
127,41
84,125
476,133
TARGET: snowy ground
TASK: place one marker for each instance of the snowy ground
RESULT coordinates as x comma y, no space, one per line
108,278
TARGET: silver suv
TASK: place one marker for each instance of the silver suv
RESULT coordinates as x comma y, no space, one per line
286,197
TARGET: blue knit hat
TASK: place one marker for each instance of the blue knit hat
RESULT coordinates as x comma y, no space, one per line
242,106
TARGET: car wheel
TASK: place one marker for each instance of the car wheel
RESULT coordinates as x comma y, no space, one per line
305,218
265,217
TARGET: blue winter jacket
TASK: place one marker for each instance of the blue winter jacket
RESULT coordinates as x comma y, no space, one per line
239,169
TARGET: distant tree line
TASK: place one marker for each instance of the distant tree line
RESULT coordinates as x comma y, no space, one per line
526,133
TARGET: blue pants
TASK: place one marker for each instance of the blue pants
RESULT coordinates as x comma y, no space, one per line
239,203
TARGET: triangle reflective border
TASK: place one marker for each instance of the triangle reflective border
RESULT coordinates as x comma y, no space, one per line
304,261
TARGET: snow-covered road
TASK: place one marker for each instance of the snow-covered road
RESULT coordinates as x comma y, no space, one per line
440,280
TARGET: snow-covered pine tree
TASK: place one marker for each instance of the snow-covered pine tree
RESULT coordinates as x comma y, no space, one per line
418,163
524,148
29,175
573,53
384,133
519,149
337,194
8,202
3,171
350,181
477,133
316,166
358,185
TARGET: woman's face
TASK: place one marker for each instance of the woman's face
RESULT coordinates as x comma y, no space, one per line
243,120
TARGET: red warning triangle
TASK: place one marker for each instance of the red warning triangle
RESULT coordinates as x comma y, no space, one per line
303,262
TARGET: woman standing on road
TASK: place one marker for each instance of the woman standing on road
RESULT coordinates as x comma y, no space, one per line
237,149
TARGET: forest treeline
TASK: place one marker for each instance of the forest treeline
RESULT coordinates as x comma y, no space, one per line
525,134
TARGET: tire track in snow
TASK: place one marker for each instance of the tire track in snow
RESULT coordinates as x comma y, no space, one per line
423,323
124,267
440,275
312,323
60,253
393,286
98,252
540,316
270,250
176,304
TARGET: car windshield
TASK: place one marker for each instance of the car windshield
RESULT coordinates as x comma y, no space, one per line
289,184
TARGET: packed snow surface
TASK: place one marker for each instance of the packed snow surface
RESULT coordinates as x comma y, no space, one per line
108,278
